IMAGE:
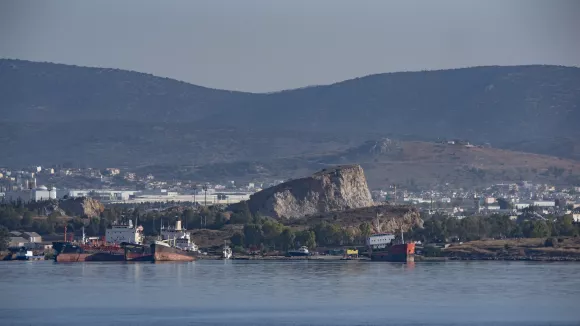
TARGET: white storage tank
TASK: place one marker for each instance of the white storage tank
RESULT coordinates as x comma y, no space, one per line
52,193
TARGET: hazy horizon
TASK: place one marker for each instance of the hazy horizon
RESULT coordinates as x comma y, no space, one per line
261,46
299,87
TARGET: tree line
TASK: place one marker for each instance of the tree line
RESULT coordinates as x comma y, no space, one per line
441,228
270,234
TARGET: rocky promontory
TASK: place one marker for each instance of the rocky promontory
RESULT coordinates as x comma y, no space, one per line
333,189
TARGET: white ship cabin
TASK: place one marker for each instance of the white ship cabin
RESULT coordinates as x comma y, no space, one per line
119,233
178,237
380,240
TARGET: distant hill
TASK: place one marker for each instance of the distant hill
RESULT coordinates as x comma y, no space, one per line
407,163
37,91
53,113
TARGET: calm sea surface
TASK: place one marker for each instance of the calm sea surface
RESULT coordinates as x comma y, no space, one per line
289,293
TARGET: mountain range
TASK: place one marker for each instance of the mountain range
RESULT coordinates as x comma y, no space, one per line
54,113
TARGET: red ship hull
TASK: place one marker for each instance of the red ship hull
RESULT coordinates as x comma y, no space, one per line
396,253
164,253
68,252
97,256
136,252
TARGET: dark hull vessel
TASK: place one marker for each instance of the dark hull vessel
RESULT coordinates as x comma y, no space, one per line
68,252
163,252
297,254
136,252
395,253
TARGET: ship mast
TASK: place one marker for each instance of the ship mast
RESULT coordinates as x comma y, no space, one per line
402,238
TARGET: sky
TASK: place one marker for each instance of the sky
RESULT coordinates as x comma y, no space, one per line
269,45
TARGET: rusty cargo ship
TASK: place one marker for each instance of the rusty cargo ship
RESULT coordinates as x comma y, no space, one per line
71,252
384,247
163,251
107,249
175,245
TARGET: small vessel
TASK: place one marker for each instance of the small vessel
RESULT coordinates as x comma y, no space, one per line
226,252
28,255
301,252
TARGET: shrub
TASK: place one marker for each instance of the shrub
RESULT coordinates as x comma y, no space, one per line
550,242
431,251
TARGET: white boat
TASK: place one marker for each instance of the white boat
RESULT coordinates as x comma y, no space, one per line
303,251
28,255
226,252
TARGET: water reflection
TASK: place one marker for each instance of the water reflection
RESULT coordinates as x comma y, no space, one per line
304,292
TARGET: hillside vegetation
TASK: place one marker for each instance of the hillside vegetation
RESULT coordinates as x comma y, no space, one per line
53,113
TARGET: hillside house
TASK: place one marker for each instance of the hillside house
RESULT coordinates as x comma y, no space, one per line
17,242
32,237
576,215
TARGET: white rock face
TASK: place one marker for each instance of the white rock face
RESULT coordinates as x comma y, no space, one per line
334,189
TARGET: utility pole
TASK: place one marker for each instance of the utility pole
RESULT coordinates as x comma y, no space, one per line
204,187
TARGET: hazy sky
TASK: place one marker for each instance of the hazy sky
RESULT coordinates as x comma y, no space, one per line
272,45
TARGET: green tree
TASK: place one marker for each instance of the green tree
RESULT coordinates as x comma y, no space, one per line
271,230
287,238
328,234
26,219
504,204
253,234
237,239
189,217
4,238
565,226
219,221
540,229
306,238
365,230
103,225
52,218
93,229
242,214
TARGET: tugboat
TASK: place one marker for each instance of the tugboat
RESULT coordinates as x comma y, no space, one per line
302,252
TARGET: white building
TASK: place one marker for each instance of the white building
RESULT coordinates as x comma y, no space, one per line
544,203
521,205
489,200
32,237
102,194
38,194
